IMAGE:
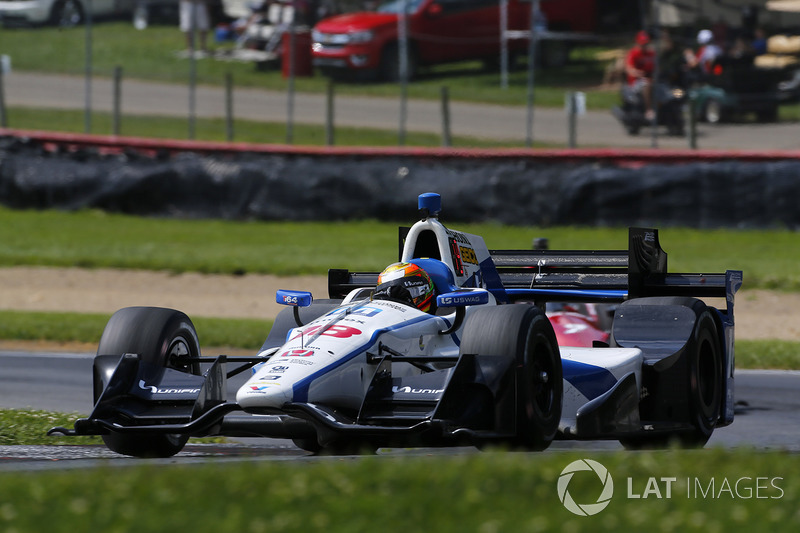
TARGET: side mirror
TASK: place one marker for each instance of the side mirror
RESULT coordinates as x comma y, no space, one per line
460,300
296,299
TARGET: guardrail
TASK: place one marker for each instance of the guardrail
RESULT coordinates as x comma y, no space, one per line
59,141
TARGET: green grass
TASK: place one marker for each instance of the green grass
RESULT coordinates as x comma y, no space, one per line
248,334
772,354
470,492
29,428
207,129
768,258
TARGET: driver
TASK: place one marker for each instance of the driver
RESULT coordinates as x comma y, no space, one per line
406,283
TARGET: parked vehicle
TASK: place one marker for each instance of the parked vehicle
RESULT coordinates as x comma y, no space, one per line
440,31
63,13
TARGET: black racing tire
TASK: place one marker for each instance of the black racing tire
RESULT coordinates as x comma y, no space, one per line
524,332
162,337
706,374
704,377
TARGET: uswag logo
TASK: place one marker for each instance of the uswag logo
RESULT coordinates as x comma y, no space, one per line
586,470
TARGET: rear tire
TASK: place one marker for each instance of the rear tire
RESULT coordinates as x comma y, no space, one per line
705,381
162,337
705,369
524,332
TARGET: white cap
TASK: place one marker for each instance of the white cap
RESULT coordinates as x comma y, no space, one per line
704,36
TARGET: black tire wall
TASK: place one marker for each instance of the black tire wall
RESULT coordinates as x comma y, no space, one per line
524,191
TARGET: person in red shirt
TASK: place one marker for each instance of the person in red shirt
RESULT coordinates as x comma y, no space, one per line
639,64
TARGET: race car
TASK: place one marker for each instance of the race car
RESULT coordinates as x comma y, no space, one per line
449,346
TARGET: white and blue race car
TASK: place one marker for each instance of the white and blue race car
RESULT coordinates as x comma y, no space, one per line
481,366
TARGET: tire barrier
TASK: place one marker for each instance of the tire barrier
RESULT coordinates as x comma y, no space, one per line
529,188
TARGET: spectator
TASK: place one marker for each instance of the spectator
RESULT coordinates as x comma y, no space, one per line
671,61
706,54
639,65
759,43
194,20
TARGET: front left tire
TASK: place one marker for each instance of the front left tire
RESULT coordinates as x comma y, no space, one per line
163,338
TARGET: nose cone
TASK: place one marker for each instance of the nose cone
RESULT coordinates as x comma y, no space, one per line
263,393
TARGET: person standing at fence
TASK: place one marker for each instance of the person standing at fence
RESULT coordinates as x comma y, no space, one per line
194,21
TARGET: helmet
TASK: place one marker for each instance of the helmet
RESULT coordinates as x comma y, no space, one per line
407,283
642,37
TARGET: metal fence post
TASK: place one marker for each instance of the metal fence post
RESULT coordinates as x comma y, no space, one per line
402,50
229,106
116,117
290,91
447,141
504,44
192,73
3,119
572,112
329,115
531,75
87,113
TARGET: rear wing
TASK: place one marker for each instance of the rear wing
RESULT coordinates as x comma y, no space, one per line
580,275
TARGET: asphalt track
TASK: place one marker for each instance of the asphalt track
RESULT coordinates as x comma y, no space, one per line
767,416
503,123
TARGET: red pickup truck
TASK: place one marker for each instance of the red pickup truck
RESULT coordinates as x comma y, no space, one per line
439,31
